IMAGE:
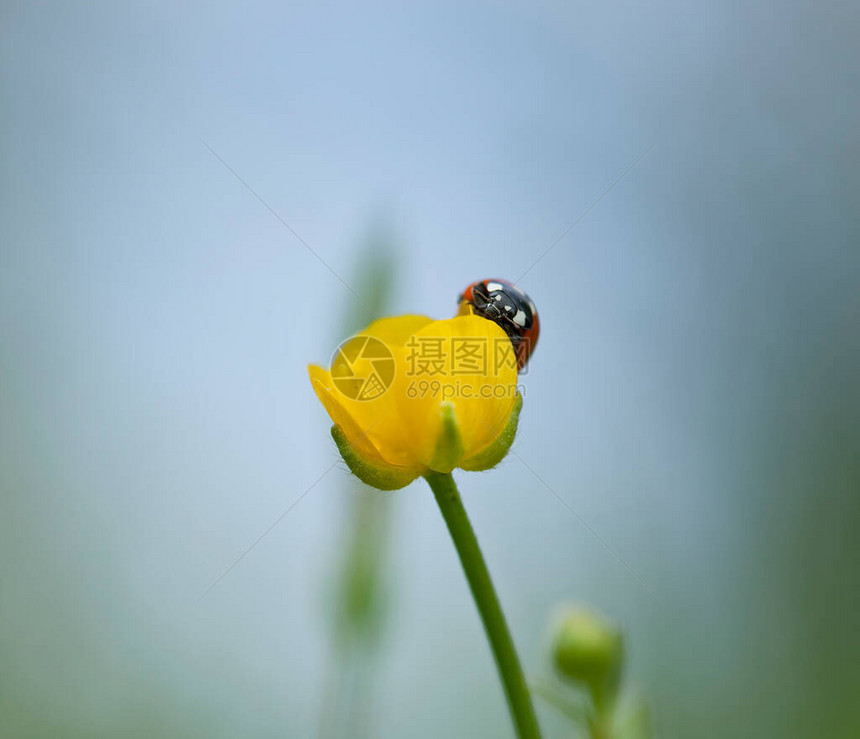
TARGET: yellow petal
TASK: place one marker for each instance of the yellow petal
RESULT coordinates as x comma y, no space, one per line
332,401
482,393
380,418
396,331
374,425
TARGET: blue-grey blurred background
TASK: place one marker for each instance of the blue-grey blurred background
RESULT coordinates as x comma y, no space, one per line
694,397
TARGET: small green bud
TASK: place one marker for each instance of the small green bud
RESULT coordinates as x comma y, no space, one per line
589,650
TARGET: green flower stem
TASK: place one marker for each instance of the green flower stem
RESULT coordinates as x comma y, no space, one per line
508,663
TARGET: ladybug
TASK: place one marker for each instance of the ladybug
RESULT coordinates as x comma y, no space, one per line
505,304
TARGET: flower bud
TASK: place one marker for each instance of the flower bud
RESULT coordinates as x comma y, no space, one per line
589,650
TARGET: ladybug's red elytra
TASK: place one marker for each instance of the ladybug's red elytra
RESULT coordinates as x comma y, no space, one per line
504,303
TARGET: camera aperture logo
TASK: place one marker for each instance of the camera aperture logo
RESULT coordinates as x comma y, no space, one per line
362,368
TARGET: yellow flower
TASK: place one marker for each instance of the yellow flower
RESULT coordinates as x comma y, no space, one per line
410,395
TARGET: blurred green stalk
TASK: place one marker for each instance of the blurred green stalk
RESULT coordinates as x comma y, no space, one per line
359,605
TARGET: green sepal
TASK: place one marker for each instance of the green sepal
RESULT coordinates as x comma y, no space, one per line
491,455
449,446
381,478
